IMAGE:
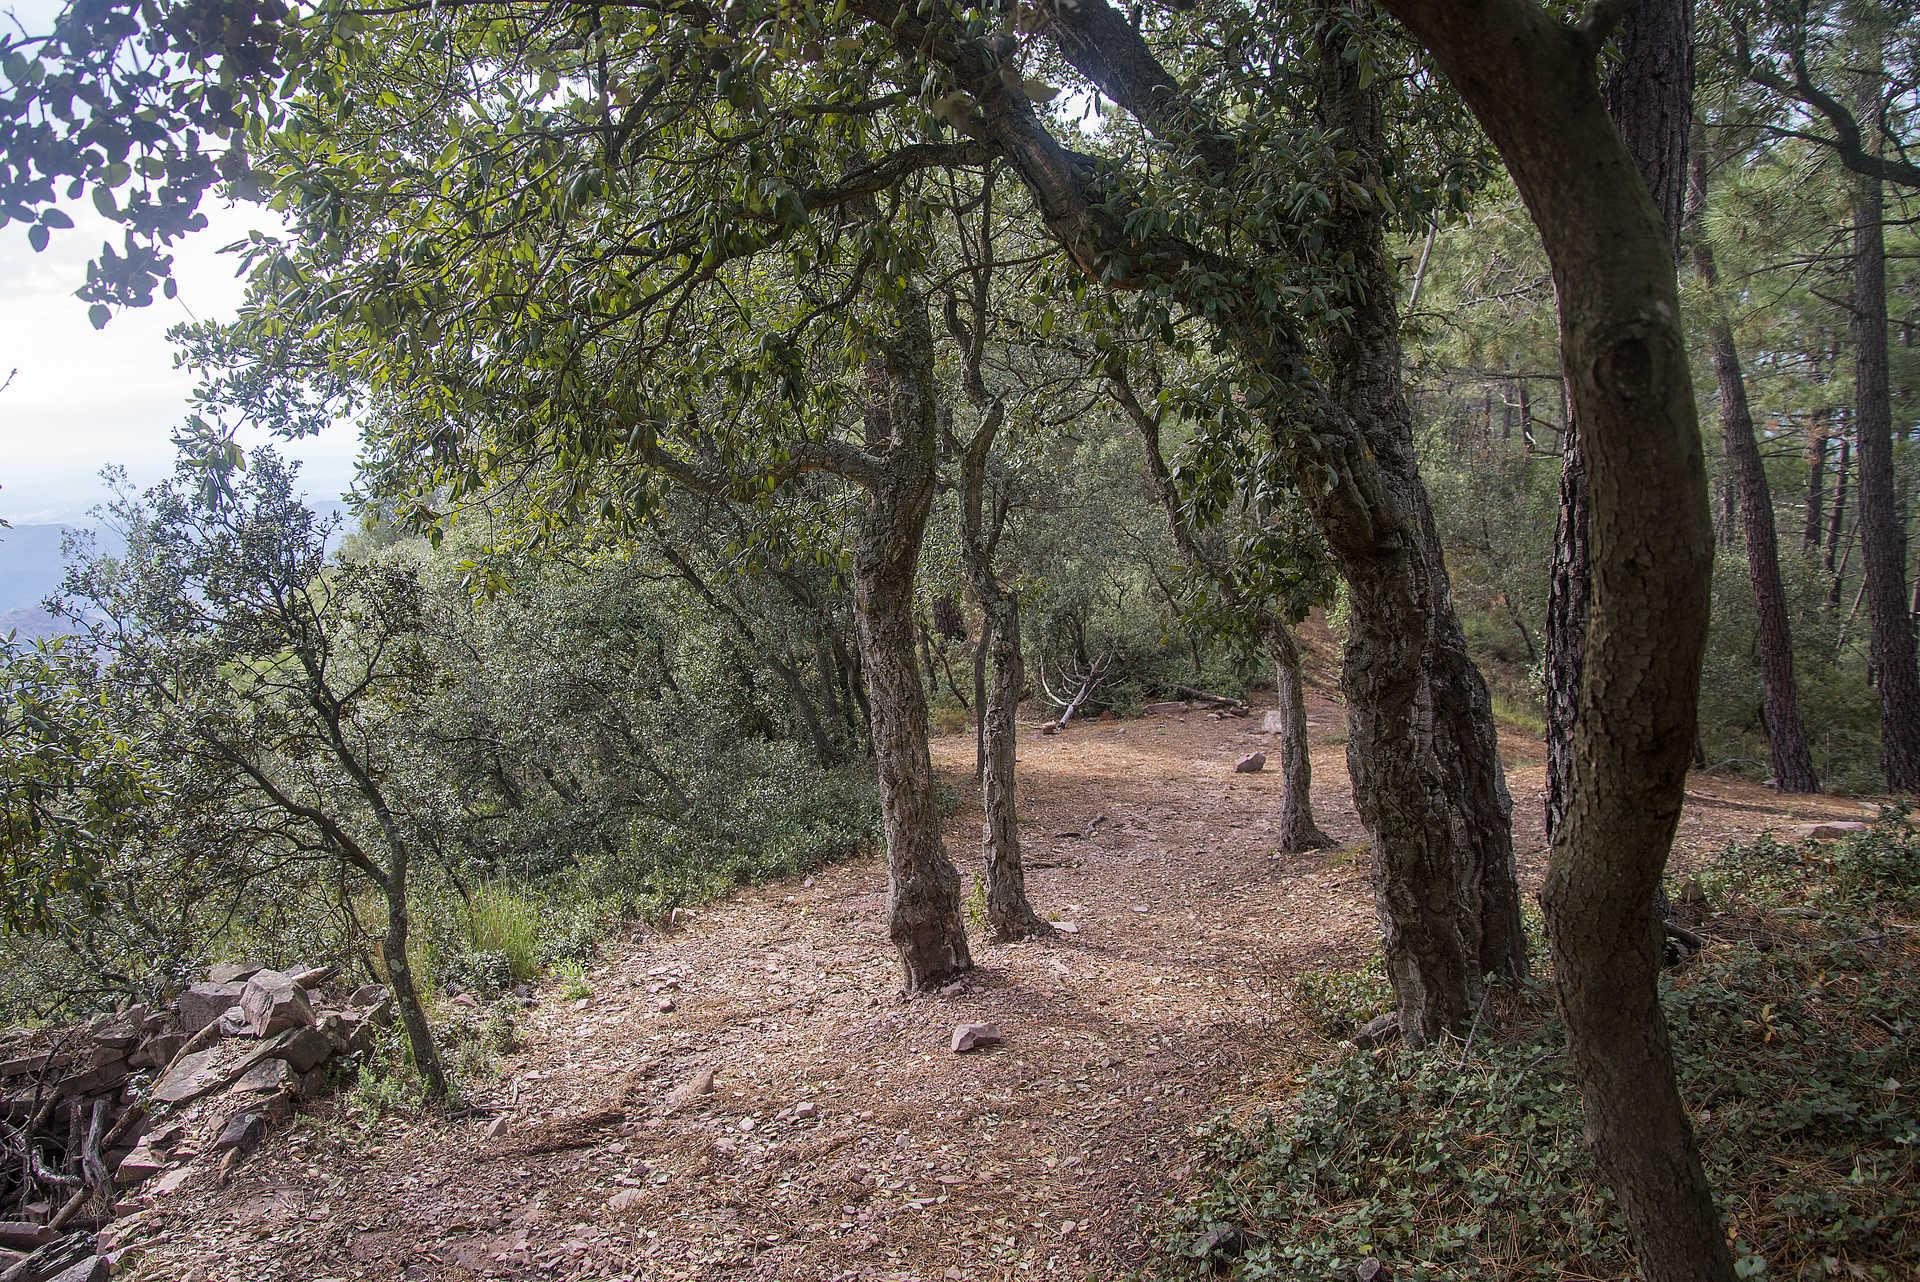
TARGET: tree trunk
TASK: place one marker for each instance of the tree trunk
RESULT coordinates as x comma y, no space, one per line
1650,98
406,996
925,918
1009,915
1298,831
1786,732
1882,546
1816,487
1422,748
1530,80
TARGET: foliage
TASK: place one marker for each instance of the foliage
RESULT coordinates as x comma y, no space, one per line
1794,1038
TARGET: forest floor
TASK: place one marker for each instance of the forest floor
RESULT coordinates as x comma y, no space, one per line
1044,1157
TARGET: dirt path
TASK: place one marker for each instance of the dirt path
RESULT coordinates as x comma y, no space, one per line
841,1139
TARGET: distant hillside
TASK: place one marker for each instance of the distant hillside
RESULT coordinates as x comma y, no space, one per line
30,622
30,568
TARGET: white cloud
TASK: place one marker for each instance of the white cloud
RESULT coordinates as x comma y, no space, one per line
83,398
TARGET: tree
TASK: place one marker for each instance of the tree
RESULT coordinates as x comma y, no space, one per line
1792,758
283,679
982,523
1250,609
1531,82
1650,97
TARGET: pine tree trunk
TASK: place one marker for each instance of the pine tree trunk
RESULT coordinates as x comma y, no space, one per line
1787,733
1568,606
925,917
1009,915
1531,82
1298,832
1882,545
1816,487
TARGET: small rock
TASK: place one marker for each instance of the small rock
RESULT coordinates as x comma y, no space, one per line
138,1166
1831,830
241,1133
157,1052
94,1268
1378,1031
954,989
806,1108
1221,1242
172,1180
1050,727
1372,1271
665,1005
626,1201
1690,891
1067,927
234,972
267,1075
968,1037
368,995
496,1128
187,1078
304,1048
465,1001
201,1004
273,1003
1251,764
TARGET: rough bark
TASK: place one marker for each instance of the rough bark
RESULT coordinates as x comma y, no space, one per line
1882,545
1816,487
1298,831
925,917
1531,83
1786,732
1422,747
1649,95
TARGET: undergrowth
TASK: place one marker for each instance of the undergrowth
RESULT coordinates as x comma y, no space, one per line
1793,1038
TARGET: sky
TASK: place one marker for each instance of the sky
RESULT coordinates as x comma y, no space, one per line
83,398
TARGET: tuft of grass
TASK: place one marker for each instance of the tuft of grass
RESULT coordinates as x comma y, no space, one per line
507,922
1518,714
1794,1041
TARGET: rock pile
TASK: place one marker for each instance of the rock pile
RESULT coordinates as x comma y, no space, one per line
140,1094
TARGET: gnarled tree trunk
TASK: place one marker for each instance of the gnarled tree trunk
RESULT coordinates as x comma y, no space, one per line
1009,915
1531,82
925,918
1422,747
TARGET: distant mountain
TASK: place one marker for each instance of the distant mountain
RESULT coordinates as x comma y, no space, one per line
30,568
30,623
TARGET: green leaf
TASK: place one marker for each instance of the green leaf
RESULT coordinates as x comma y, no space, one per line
56,218
37,237
99,314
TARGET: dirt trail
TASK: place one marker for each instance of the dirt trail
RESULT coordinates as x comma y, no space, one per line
1037,1159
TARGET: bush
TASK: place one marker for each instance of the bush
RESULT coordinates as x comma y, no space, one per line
1794,1046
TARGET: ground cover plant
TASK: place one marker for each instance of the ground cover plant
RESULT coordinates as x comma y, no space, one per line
1793,1035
